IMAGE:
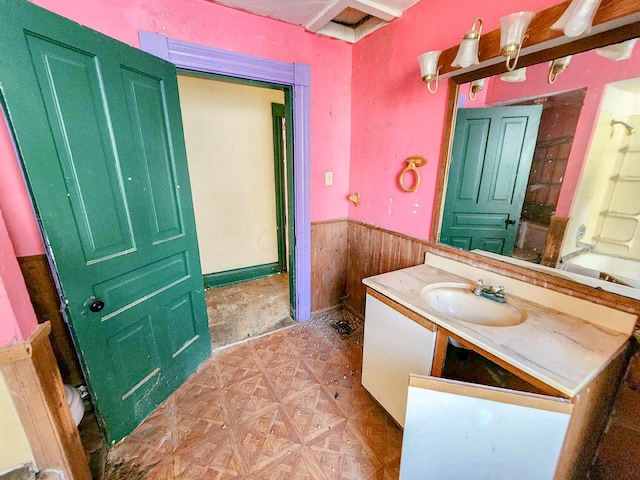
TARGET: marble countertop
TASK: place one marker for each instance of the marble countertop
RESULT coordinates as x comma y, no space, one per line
560,350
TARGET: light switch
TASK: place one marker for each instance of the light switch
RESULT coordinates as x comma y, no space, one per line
328,178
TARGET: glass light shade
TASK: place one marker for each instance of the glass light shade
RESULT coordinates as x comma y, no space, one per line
429,69
618,51
519,75
475,87
467,53
468,50
429,64
577,18
556,67
513,27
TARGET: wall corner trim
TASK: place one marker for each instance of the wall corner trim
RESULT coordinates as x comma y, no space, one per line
37,392
154,43
302,73
23,351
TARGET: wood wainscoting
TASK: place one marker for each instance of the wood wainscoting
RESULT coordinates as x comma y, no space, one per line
373,250
328,263
46,304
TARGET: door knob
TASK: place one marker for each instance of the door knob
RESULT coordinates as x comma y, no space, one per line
96,305
509,222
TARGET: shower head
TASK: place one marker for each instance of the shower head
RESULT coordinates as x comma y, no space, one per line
628,128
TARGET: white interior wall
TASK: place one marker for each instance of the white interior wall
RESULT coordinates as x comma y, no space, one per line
14,446
229,139
606,201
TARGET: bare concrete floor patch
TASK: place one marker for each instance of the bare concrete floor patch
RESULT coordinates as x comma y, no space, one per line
248,309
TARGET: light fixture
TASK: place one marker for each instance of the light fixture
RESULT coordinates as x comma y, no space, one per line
512,36
556,67
475,87
577,18
618,51
515,76
468,50
429,69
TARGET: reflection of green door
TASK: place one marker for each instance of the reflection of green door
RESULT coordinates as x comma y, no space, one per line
490,163
99,131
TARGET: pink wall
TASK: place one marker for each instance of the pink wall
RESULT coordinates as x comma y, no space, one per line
17,319
392,114
214,25
15,203
588,70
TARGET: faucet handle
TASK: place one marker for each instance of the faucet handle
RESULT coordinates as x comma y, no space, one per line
499,292
480,282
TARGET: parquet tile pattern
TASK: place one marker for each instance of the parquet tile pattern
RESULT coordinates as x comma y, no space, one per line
287,406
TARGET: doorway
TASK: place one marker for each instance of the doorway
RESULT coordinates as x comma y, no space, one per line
297,77
236,151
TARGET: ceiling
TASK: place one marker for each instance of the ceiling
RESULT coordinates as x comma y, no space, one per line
348,20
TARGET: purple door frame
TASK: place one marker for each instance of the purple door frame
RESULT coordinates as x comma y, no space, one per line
192,56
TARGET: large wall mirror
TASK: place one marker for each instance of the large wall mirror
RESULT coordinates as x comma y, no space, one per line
544,168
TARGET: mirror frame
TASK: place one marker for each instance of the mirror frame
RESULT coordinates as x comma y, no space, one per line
616,21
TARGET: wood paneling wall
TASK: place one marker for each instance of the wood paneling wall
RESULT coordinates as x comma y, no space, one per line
328,263
46,303
373,250
553,244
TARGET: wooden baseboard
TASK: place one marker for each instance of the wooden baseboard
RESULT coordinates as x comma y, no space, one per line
324,311
239,275
353,310
36,387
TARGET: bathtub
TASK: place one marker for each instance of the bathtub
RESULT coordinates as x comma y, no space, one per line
592,264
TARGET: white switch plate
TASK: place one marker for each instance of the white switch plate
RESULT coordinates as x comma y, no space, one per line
328,178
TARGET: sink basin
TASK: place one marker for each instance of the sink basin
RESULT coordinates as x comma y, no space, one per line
457,300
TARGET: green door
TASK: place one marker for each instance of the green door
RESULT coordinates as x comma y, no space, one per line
98,128
490,163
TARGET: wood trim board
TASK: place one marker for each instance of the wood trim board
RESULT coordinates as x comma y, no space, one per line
615,21
239,275
439,353
38,394
419,319
494,394
24,351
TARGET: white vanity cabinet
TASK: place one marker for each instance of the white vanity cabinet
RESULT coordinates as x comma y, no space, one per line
455,429
394,347
459,430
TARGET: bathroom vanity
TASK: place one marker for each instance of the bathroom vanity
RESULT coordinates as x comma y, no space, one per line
570,350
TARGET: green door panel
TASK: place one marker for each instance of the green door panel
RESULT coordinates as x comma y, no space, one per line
68,78
490,162
98,129
145,101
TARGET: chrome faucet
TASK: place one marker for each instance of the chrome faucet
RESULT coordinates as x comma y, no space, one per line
495,294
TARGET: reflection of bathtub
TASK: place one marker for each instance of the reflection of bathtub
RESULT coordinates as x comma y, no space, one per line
592,264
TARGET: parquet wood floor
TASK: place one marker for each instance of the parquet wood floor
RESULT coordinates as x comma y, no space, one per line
285,406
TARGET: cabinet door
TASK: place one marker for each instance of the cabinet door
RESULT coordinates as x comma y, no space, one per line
460,430
394,347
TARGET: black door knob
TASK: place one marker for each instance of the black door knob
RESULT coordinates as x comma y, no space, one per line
96,305
509,222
